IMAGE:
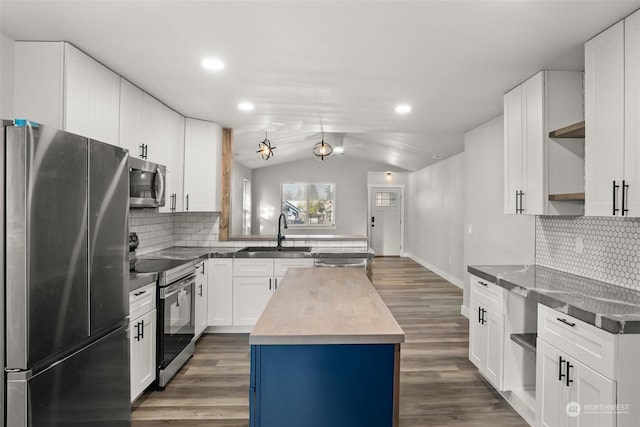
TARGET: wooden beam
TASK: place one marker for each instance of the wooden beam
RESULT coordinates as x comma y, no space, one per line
227,162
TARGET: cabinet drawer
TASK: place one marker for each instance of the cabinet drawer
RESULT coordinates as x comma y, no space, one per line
255,267
281,265
592,346
489,295
142,300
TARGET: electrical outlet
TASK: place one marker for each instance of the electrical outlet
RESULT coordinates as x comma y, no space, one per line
579,246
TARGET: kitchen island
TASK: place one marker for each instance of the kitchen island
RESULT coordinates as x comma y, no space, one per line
325,352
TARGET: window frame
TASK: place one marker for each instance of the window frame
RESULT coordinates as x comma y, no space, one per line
307,185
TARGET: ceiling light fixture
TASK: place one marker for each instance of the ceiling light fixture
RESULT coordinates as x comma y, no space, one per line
403,109
322,149
246,106
213,64
265,149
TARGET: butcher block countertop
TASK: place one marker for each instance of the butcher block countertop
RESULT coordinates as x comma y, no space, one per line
326,306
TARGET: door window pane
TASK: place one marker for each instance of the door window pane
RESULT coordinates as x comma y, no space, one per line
385,199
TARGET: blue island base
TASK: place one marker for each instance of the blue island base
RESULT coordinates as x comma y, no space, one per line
333,385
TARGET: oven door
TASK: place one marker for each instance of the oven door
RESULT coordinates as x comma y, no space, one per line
176,325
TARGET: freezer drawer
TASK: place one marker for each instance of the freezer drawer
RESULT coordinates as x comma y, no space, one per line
89,388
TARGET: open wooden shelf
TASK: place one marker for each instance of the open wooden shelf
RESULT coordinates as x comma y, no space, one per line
575,130
568,197
526,341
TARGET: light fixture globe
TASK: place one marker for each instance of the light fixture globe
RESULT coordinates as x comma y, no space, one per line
265,149
322,150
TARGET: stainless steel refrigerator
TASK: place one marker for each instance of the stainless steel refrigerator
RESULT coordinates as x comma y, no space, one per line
65,217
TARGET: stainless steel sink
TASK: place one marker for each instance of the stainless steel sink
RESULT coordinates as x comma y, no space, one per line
276,249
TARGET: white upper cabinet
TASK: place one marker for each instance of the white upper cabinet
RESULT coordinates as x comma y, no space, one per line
546,101
604,111
202,166
130,117
58,85
632,114
92,97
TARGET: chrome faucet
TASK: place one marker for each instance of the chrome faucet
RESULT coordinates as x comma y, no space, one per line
280,235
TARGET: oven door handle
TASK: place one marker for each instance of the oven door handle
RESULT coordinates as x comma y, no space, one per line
170,290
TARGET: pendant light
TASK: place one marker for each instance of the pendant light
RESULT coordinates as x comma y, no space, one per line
322,149
265,149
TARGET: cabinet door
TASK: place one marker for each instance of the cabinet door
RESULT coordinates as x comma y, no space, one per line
130,118
220,293
494,325
552,396
202,166
512,148
201,299
604,115
151,131
250,296
590,390
92,97
143,353
39,82
105,105
632,112
169,150
533,171
477,337
77,91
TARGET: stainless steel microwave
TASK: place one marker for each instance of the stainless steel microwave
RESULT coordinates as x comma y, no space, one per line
146,184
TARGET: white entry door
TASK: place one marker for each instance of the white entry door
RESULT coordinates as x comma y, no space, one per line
385,221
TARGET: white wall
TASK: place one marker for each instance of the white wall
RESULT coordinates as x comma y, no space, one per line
495,238
238,174
349,175
435,218
7,54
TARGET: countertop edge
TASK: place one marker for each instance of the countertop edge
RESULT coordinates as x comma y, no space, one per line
605,322
325,339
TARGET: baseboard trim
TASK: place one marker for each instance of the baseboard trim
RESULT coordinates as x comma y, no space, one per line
454,280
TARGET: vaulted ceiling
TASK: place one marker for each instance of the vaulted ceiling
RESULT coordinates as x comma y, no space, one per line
338,67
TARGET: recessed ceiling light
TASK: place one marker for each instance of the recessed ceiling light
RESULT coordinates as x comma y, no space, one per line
213,64
246,106
436,157
403,109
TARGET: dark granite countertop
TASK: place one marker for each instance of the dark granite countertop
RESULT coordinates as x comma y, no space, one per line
606,306
138,280
187,253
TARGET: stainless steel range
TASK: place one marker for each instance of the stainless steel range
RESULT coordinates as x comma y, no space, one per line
176,282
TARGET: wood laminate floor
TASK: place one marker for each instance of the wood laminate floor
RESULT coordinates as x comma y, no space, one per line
438,384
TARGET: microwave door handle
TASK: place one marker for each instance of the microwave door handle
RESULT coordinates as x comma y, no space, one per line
161,185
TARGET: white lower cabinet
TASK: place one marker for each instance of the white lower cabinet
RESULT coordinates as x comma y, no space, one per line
142,337
585,376
220,292
254,281
486,330
201,300
569,390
